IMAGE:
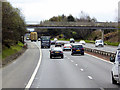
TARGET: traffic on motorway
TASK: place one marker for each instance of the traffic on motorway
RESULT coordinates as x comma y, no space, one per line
62,64
57,47
78,48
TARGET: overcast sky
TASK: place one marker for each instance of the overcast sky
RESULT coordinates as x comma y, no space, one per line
38,10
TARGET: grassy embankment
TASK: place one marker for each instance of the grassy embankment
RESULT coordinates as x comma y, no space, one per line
12,50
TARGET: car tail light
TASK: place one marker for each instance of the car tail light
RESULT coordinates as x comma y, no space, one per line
61,52
70,46
64,46
82,48
51,51
73,48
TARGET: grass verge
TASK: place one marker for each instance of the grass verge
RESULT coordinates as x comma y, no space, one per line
12,50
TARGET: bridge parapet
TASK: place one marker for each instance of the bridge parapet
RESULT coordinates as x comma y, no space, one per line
101,24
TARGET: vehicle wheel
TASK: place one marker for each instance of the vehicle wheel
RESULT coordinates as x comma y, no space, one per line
62,57
50,57
113,80
82,53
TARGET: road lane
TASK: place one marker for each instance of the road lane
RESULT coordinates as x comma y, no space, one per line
60,73
18,73
105,48
98,69
73,72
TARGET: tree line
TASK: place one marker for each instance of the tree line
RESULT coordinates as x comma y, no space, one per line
68,33
74,33
13,25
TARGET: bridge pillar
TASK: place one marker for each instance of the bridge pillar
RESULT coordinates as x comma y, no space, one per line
102,34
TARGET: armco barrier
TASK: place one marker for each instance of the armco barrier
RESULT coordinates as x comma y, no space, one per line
110,54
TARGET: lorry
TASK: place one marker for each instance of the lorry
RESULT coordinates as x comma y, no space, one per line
45,42
33,36
115,72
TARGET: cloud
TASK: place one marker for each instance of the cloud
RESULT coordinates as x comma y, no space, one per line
36,10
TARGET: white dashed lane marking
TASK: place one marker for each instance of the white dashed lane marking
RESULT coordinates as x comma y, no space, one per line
76,64
72,61
90,77
81,69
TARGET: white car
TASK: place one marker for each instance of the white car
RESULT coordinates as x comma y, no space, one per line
27,38
67,47
116,67
99,43
72,40
55,39
82,42
39,39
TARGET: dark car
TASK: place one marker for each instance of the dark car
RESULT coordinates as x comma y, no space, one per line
45,41
56,52
58,44
77,49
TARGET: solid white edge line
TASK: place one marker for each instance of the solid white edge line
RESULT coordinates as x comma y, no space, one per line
35,71
99,58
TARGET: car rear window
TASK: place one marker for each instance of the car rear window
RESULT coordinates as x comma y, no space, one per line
67,45
99,41
57,49
77,46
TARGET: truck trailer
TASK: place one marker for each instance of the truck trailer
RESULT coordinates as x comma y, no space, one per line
33,36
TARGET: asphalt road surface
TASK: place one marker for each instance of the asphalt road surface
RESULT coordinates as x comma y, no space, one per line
70,72
73,72
105,48
18,73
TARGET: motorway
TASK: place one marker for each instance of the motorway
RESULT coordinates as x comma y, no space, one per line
70,72
105,48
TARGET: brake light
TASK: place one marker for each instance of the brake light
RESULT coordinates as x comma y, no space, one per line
70,46
82,48
64,46
73,48
51,51
61,52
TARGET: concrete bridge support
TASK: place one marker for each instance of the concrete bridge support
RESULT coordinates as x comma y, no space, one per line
102,35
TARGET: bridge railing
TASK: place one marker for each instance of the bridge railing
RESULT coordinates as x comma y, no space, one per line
102,24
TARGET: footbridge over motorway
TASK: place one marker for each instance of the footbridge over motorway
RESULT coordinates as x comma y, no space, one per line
75,25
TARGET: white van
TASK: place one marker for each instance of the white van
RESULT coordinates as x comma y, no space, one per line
99,43
116,67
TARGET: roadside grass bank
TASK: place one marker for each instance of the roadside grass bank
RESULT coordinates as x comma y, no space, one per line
9,54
